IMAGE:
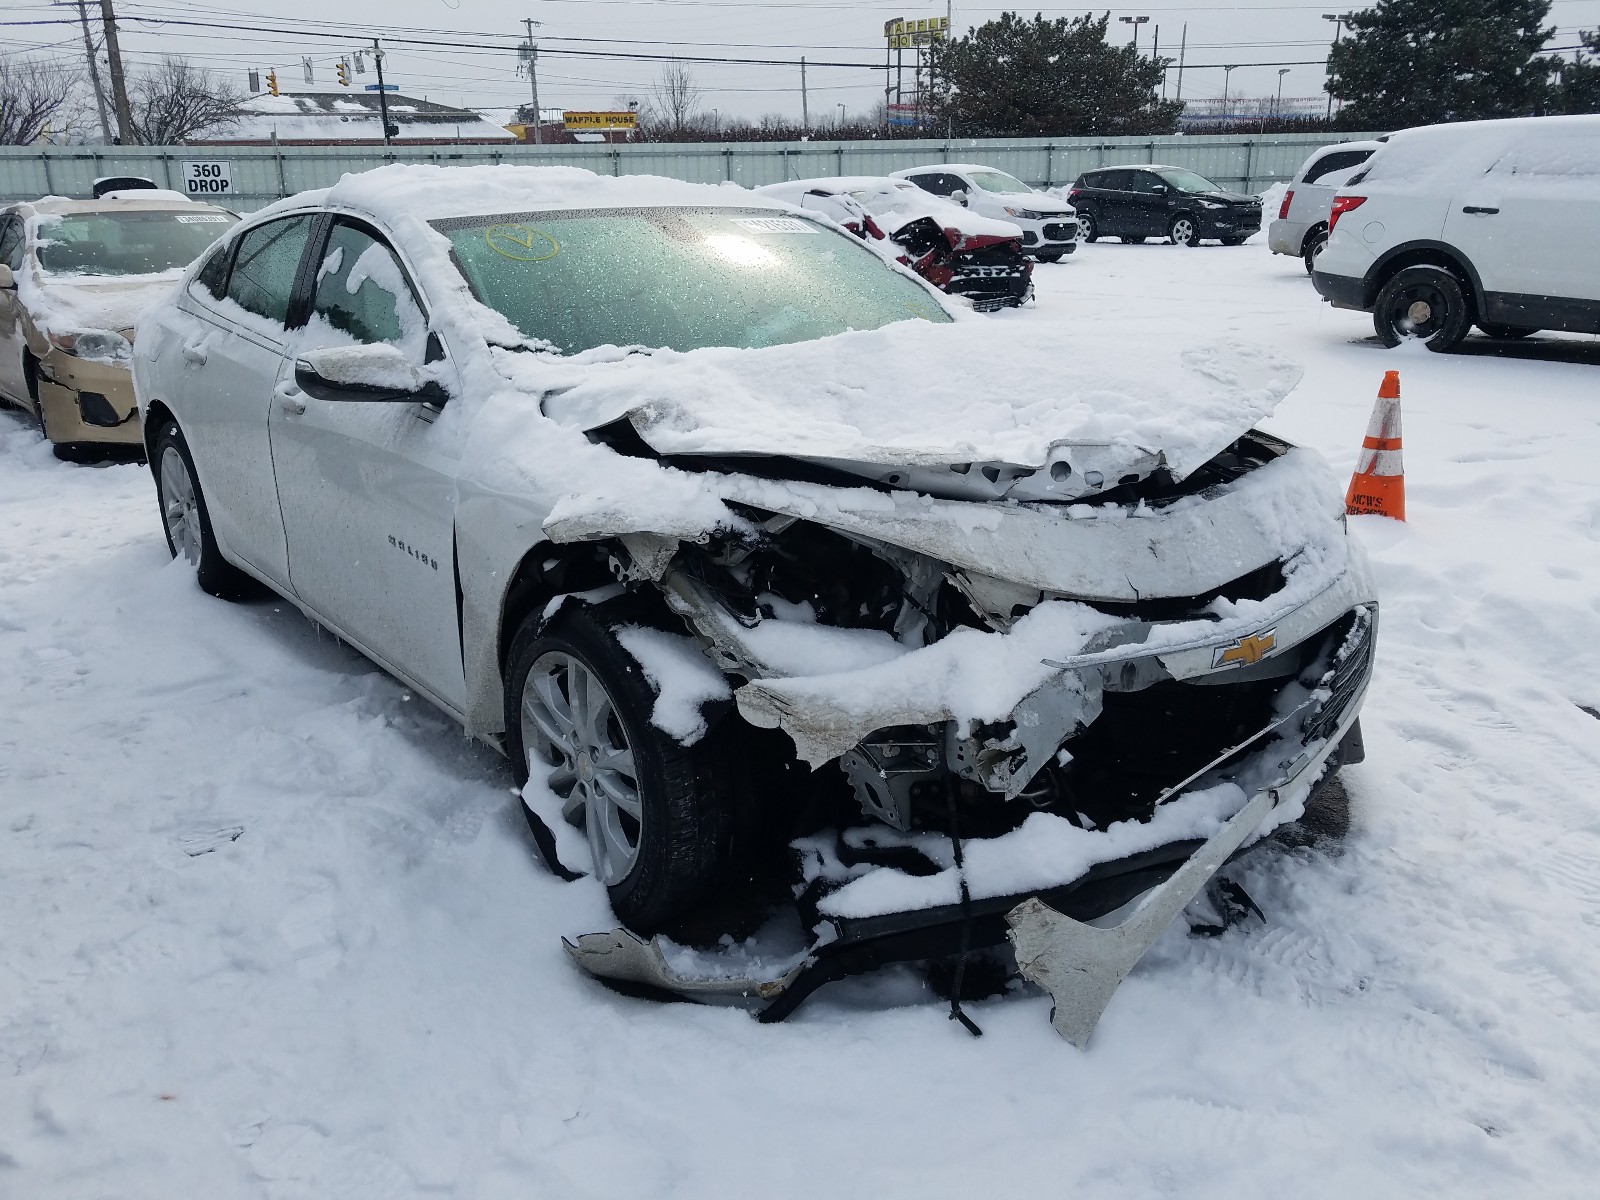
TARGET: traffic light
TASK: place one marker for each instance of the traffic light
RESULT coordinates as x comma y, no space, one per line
343,70
272,81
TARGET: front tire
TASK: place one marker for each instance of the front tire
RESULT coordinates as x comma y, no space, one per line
1423,302
1051,256
658,815
187,521
1184,231
1087,230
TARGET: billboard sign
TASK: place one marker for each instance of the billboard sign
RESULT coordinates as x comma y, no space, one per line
591,121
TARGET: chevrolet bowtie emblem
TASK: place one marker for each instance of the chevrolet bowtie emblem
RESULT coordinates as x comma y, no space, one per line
1246,650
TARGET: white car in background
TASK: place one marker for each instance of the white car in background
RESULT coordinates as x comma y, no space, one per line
1487,223
1049,224
1301,229
955,249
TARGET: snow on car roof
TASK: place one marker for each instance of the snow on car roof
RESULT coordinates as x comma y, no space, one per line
434,193
834,184
1426,155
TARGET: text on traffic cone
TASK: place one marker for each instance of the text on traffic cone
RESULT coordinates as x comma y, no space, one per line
1379,483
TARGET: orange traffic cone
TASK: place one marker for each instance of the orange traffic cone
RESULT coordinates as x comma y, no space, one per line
1379,483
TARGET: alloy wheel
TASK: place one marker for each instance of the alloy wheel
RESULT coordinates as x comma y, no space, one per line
571,725
1183,231
180,508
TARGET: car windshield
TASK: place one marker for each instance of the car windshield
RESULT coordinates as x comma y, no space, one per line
679,278
1188,181
998,181
127,243
884,199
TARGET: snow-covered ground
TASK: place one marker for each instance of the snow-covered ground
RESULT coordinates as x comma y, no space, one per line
270,927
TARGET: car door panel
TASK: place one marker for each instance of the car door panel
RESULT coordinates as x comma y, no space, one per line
13,382
1528,225
367,490
221,371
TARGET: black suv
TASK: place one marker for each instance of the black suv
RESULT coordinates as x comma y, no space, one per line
1135,203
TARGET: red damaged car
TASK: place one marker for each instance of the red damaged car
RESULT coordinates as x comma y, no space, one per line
951,247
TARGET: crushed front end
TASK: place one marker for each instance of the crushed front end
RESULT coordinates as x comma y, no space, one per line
990,271
1040,706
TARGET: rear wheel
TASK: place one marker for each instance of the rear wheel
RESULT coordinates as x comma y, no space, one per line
1506,333
658,815
1315,245
1088,231
1183,231
187,521
1422,302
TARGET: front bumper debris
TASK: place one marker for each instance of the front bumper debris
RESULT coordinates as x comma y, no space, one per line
1079,964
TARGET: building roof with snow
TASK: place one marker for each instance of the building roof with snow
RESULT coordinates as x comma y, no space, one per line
330,118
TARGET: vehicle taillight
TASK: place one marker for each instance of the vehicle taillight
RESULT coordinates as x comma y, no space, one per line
1074,194
1342,205
1283,209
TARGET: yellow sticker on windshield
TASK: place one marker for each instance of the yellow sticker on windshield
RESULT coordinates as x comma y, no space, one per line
522,243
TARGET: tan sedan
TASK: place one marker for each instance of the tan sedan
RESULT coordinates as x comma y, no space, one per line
75,276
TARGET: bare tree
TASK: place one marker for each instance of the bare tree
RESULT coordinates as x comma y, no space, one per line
676,99
36,97
178,100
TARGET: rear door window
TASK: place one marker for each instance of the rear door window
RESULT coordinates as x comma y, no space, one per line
1113,181
265,266
1339,160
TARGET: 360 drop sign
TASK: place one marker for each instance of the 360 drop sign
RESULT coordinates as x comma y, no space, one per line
210,178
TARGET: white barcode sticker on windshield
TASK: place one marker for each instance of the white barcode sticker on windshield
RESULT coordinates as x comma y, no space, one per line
775,224
201,218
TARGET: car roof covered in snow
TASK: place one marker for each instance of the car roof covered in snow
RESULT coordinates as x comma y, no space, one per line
834,185
1427,155
435,193
129,201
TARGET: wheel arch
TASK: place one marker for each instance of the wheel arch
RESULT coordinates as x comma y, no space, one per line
1424,253
156,414
1317,228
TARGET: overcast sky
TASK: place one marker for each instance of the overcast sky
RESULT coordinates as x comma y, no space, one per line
1275,32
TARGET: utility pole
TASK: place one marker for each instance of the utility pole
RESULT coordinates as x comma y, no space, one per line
383,96
1227,74
805,102
533,80
94,72
1338,20
119,86
1183,47
1155,55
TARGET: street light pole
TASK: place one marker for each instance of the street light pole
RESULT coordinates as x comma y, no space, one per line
1277,108
1227,74
1135,22
1338,20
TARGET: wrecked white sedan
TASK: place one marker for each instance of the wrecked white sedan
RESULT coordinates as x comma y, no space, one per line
797,590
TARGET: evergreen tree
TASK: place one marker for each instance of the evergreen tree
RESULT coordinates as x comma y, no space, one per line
1579,90
1419,62
1017,78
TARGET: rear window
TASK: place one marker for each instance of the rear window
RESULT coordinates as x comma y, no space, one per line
127,243
1339,160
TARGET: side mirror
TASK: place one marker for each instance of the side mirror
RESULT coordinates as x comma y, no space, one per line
7,279
1161,189
959,197
376,374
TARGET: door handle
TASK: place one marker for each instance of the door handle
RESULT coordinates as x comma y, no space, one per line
1477,210
292,398
195,352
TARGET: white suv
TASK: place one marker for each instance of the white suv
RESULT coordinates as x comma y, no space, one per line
1302,225
1486,223
1049,224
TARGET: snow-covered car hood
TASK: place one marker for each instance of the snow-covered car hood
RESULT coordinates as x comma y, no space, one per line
78,303
917,394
